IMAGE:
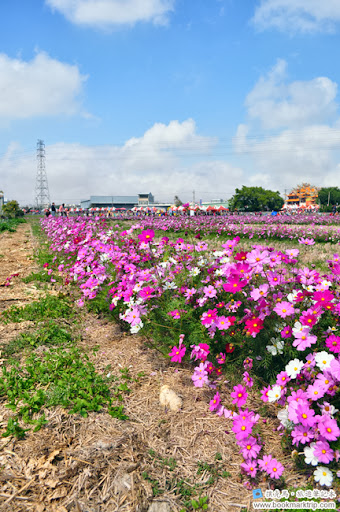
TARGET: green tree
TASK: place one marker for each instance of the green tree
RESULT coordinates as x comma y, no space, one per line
328,196
12,209
256,199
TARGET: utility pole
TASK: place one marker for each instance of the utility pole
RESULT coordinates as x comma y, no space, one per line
42,195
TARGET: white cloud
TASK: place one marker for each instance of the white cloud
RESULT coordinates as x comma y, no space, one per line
301,131
166,160
106,13
278,104
297,15
40,87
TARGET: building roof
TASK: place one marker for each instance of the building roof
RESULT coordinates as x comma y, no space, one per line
113,199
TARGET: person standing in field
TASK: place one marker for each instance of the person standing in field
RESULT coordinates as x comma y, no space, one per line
53,210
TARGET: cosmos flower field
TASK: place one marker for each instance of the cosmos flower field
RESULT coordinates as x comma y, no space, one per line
207,304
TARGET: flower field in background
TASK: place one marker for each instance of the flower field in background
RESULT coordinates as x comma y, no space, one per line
247,227
258,314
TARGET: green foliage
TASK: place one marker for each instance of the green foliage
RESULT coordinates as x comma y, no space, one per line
10,224
59,377
12,210
256,199
329,196
50,306
50,333
41,277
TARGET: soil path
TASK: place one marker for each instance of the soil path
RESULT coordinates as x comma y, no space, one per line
101,464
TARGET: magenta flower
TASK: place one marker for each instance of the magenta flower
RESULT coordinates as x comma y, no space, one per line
284,309
333,343
275,469
177,353
215,402
147,235
248,380
239,395
242,428
248,363
282,378
209,317
286,332
305,415
250,468
264,394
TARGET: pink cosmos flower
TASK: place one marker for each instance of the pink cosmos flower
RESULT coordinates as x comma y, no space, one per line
221,358
146,236
316,390
241,428
209,291
222,323
234,285
264,462
200,351
304,339
248,380
250,468
286,332
335,369
302,435
306,241
249,448
333,343
323,452
189,292
275,469
147,292
282,378
209,317
177,353
305,415
284,309
248,363
328,428
264,394
239,395
215,402
258,293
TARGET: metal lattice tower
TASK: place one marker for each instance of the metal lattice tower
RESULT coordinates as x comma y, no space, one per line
42,194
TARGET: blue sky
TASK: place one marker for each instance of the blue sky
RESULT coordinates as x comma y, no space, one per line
168,96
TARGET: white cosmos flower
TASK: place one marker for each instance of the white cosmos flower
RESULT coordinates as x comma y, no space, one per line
169,286
274,394
323,476
309,455
292,296
282,415
194,271
298,327
225,259
323,359
134,329
276,348
218,254
293,368
218,272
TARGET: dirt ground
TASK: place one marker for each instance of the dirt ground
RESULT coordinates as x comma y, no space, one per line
101,464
